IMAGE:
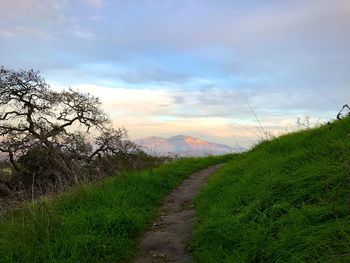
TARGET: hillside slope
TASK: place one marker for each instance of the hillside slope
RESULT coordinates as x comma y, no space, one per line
287,200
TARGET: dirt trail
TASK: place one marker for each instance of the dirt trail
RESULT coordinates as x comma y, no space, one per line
166,242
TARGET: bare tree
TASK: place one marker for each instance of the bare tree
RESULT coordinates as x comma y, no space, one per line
33,115
110,142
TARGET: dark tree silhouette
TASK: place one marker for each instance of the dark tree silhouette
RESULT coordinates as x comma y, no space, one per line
33,115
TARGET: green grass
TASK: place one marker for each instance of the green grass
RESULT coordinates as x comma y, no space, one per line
287,200
98,222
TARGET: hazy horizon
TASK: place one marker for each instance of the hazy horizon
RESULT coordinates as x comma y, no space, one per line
163,68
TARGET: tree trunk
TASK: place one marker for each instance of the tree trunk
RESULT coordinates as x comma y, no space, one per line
14,163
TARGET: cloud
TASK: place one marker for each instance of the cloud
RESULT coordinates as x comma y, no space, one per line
185,63
4,33
210,113
119,101
43,19
146,74
27,8
94,3
272,38
77,31
22,31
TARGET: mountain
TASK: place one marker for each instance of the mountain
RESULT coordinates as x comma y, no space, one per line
183,146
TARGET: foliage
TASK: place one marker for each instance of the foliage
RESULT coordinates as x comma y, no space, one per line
287,200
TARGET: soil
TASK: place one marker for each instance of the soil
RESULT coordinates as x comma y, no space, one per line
166,241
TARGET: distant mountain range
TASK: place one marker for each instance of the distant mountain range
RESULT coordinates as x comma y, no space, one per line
184,146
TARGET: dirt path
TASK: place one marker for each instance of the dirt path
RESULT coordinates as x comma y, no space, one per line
167,240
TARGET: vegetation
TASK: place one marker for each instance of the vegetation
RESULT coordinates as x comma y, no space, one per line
98,222
287,200
53,139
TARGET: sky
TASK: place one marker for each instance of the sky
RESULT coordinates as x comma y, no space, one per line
203,68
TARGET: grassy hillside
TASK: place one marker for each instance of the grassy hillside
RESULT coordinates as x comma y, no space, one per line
99,222
285,201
